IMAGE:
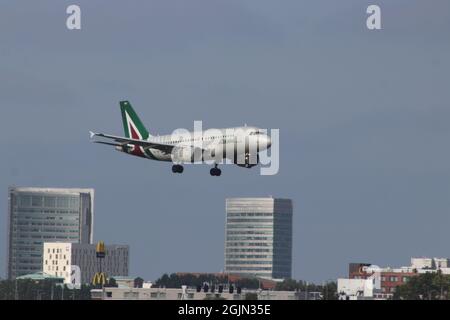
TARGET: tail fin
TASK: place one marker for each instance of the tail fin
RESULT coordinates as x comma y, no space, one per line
132,125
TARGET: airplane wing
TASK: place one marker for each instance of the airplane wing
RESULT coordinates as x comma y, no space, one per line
120,141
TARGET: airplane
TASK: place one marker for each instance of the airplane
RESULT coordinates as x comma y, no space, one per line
238,144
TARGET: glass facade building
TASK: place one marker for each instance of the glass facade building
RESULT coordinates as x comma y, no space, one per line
258,237
38,215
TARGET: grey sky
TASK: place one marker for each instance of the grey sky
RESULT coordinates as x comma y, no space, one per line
363,118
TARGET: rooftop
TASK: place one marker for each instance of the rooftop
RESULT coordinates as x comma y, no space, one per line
39,276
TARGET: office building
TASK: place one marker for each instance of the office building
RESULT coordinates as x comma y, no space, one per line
38,215
258,237
77,262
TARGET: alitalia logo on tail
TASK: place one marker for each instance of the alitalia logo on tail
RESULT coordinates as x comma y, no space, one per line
133,127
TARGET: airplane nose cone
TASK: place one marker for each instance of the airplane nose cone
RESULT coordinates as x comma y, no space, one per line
265,142
269,141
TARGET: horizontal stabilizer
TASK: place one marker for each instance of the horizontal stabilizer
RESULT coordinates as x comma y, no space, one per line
108,143
167,148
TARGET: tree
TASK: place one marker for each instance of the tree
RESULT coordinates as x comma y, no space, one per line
329,291
111,283
138,282
288,285
214,297
427,286
176,281
41,290
251,296
248,283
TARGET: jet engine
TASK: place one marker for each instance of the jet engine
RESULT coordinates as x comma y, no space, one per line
186,154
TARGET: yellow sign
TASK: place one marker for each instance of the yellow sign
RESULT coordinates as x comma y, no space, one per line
99,279
100,249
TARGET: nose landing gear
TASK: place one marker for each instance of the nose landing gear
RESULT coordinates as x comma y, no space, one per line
176,168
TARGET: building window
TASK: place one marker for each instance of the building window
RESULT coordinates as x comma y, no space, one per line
393,279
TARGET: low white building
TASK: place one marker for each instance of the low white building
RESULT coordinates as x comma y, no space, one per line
186,294
354,289
77,263
440,263
422,263
359,289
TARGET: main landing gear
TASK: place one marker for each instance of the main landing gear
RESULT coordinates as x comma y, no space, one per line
215,171
176,168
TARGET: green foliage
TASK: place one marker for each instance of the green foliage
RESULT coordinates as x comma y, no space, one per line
251,296
138,282
41,290
289,285
214,297
176,281
111,283
328,290
427,286
248,283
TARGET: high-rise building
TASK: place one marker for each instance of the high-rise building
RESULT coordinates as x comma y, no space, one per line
258,237
38,215
61,259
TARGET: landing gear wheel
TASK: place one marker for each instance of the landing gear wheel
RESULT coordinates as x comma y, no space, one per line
215,172
176,168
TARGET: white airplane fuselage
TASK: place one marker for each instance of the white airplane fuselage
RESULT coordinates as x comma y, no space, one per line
213,142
